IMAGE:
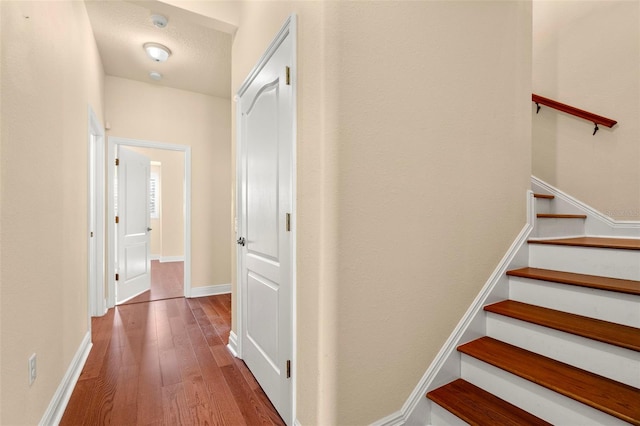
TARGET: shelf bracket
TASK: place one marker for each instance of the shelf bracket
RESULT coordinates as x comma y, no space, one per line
537,107
595,129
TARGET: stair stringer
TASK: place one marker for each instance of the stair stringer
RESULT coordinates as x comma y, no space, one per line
596,223
446,365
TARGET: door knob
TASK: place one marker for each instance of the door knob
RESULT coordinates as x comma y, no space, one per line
241,241
149,229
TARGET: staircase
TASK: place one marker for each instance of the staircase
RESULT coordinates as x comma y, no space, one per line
565,348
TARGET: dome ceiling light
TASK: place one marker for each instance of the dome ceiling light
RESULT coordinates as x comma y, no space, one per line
157,52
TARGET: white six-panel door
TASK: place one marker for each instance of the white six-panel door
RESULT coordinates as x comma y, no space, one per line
134,260
264,201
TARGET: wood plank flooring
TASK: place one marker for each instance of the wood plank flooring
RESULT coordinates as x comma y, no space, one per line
167,281
166,363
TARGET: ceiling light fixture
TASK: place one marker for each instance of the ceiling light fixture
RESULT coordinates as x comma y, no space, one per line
157,52
155,76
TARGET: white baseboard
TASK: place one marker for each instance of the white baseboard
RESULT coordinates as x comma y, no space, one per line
210,290
165,259
60,399
233,343
395,419
155,257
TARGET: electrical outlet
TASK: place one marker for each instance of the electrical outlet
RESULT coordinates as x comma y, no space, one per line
33,372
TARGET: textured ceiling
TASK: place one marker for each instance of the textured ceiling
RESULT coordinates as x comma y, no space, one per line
200,59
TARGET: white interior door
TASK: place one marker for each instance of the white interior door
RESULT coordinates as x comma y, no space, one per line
265,200
134,252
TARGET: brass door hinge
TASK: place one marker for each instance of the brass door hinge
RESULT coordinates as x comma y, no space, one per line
117,219
288,368
91,234
117,277
288,222
117,161
288,76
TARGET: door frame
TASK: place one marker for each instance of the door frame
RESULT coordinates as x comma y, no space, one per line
97,301
113,144
235,340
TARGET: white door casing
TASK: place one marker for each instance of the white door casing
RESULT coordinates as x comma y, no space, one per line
134,251
93,281
96,267
266,243
114,143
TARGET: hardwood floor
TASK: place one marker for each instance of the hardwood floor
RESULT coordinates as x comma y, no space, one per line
167,281
166,363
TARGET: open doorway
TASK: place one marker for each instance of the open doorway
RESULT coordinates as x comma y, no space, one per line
170,246
166,219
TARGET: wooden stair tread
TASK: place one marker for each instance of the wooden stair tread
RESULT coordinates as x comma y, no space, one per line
620,335
591,281
561,216
614,398
614,243
545,196
479,407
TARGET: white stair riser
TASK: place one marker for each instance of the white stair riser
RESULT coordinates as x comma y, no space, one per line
606,360
557,228
544,205
442,417
614,263
537,400
604,305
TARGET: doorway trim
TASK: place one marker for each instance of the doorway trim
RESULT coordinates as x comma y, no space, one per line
97,301
113,143
289,28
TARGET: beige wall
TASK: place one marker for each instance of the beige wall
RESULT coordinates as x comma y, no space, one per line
167,236
413,162
413,156
50,73
587,54
149,112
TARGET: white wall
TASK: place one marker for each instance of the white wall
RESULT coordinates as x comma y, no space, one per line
149,112
587,54
50,74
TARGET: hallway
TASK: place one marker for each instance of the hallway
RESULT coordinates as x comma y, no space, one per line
167,282
166,362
